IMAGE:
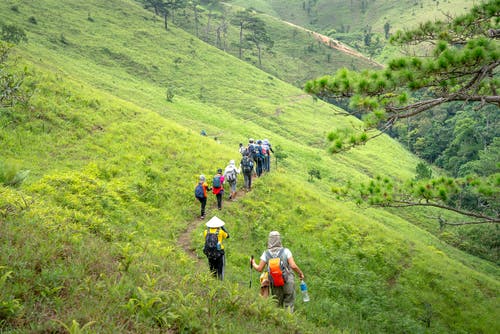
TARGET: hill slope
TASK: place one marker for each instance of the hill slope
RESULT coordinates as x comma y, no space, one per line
92,235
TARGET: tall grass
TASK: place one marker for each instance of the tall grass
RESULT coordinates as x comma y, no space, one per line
89,240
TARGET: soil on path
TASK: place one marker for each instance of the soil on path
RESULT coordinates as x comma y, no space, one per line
185,238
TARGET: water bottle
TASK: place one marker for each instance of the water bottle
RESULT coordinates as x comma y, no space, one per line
303,289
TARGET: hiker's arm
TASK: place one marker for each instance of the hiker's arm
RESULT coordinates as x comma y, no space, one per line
295,267
259,267
224,229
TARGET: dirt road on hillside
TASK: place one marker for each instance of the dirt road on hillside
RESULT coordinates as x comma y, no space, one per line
335,44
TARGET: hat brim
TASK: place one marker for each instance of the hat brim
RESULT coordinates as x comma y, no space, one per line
215,222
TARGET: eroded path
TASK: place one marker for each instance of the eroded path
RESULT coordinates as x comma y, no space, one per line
184,239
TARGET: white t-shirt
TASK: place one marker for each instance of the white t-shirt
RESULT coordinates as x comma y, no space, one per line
286,251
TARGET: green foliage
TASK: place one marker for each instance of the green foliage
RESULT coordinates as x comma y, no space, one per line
75,328
410,85
11,92
11,174
94,235
314,173
9,306
423,172
13,34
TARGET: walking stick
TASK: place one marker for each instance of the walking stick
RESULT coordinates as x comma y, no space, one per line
251,271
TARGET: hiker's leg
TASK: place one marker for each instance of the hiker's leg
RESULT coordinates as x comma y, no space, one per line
248,180
203,202
222,266
213,267
233,190
289,295
219,200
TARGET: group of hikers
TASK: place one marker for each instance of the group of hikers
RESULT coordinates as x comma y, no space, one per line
278,279
255,160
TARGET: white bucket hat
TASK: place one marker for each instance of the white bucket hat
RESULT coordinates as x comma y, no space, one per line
215,222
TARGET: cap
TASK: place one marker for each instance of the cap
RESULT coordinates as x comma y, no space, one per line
215,222
202,177
219,170
259,141
231,162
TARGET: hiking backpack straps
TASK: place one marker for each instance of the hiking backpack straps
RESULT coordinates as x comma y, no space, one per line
212,246
276,268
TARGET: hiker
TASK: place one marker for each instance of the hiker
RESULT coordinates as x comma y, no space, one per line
200,192
217,188
231,176
241,149
247,169
266,151
250,148
282,286
258,158
214,249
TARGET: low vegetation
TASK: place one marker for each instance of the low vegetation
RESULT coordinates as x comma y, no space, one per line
89,238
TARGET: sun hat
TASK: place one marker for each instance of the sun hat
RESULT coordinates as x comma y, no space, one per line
202,177
231,162
215,222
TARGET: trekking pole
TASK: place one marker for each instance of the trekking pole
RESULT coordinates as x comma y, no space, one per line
251,271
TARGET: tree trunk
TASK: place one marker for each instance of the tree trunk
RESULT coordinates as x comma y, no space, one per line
165,16
259,49
241,38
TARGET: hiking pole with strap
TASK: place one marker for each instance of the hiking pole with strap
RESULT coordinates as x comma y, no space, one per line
251,267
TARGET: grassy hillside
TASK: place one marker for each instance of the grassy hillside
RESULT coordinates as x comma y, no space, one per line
92,236
323,15
350,21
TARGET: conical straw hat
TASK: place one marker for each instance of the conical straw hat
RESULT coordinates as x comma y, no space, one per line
215,222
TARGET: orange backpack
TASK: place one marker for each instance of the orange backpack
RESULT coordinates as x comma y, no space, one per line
276,268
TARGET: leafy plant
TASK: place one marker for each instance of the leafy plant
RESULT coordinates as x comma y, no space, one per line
74,327
9,307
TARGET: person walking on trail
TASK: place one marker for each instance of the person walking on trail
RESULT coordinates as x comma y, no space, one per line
259,158
247,169
241,149
267,148
217,187
280,264
231,176
214,248
200,192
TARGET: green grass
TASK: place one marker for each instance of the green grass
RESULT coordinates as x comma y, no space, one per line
91,237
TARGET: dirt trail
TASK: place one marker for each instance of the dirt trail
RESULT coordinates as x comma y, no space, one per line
185,238
335,44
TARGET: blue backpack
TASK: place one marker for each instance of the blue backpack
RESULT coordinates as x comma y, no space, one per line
216,181
198,191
